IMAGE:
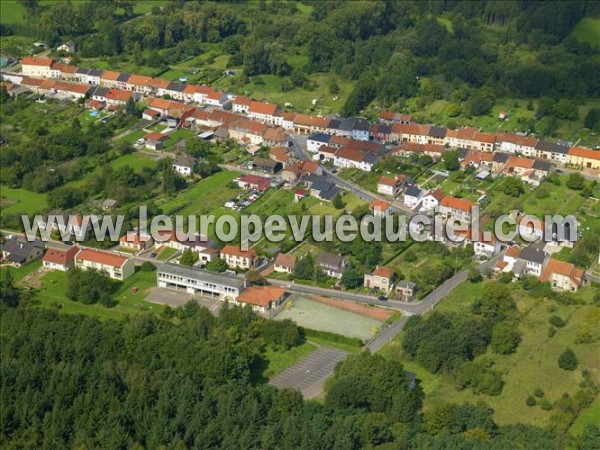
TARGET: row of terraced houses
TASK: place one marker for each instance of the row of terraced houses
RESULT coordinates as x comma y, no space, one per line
392,127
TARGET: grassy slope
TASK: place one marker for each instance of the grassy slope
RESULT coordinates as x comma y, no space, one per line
588,30
53,293
533,365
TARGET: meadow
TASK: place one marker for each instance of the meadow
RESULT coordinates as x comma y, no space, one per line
533,365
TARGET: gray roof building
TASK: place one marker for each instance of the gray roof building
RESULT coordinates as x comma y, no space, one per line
533,255
22,251
199,281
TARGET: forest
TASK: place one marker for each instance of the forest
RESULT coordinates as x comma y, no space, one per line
145,382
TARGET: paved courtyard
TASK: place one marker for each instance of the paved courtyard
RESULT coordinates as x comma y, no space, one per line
309,374
162,296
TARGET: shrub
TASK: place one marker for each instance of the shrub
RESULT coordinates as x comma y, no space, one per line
530,401
539,392
551,331
557,321
567,360
545,404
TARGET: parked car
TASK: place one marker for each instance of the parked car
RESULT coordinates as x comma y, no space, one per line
382,298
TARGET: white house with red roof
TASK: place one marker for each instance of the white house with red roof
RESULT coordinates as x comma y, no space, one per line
381,278
60,258
115,266
390,185
379,208
268,113
235,257
457,208
38,67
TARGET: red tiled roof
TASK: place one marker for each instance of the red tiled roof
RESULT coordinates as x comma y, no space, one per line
260,295
104,258
263,108
584,153
139,80
279,154
523,141
61,256
151,112
158,83
110,75
513,251
119,95
35,61
154,137
385,272
64,68
251,126
457,203
565,269
379,205
285,260
241,100
437,194
237,251
350,154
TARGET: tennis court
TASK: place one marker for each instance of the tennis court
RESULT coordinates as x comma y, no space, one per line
319,316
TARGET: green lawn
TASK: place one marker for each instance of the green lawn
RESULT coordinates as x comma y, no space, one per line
166,253
204,196
278,361
588,30
589,415
11,11
19,273
137,161
21,201
52,293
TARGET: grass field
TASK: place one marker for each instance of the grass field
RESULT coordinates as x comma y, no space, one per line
204,196
52,293
19,273
533,365
17,201
137,161
318,316
589,415
588,30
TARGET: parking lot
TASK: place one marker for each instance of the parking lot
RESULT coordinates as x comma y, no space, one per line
309,374
162,296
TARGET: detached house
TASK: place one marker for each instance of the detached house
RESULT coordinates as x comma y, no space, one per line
381,278
284,263
19,252
136,241
332,265
457,208
431,201
390,186
60,259
562,275
534,261
315,141
379,208
413,196
235,257
115,266
253,182
405,290
184,164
